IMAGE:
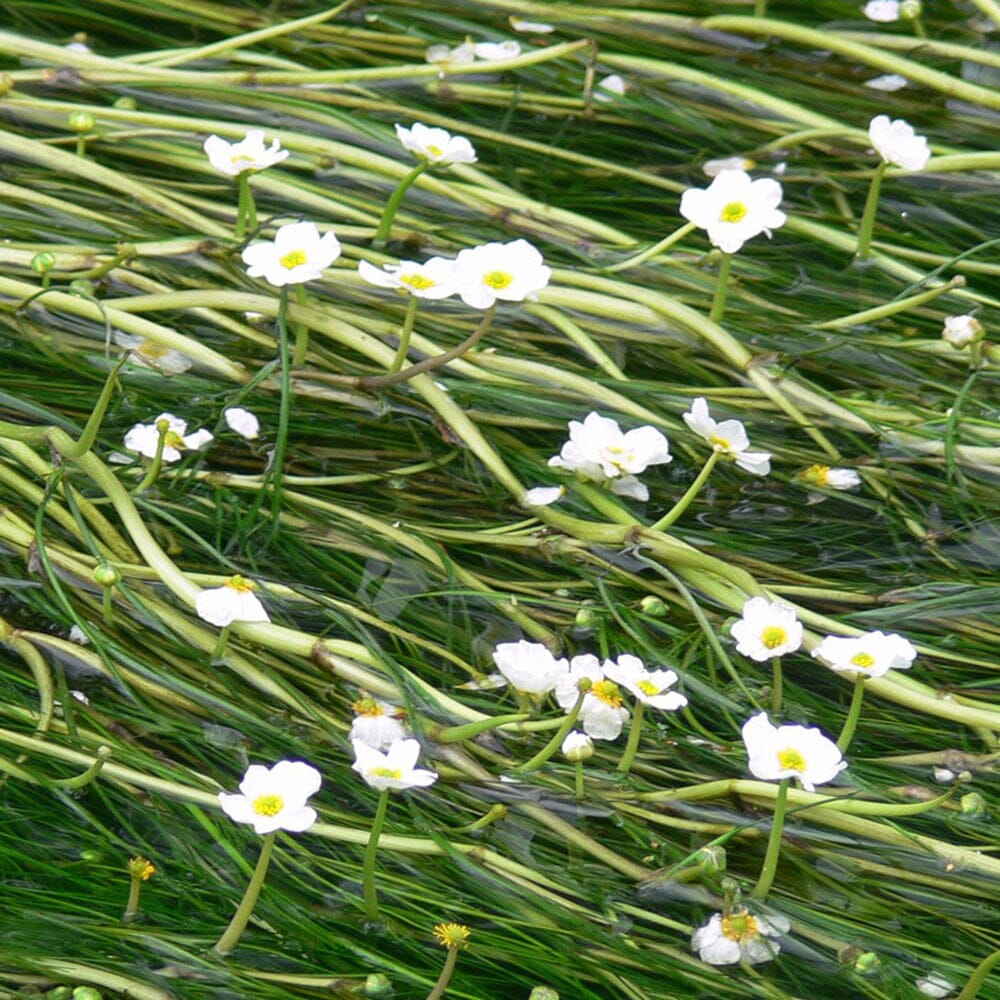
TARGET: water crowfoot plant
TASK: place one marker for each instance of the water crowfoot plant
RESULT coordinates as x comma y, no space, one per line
139,870
234,601
768,630
739,936
454,937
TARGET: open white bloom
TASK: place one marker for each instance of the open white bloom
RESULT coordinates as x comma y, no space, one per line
883,11
801,752
602,713
436,145
961,331
542,496
896,142
150,354
395,769
298,253
234,601
887,83
242,422
935,985
767,629
274,798
377,724
727,436
712,168
497,51
738,936
250,153
610,87
535,27
734,208
577,746
509,271
648,686
597,450
458,56
829,479
872,654
529,666
434,279
144,438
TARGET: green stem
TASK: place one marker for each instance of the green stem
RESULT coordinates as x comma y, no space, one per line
867,226
81,145
284,410
556,742
132,904
404,335
107,607
721,288
777,685
220,647
760,890
301,331
368,875
657,248
442,983
89,435
853,714
692,491
231,935
456,734
971,989
392,205
246,210
154,467
633,739
578,780
760,8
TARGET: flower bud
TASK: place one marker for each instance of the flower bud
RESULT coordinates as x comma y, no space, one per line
140,868
577,747
712,859
378,985
867,963
107,576
973,805
910,10
81,121
543,993
653,606
43,262
86,993
961,331
587,619
125,104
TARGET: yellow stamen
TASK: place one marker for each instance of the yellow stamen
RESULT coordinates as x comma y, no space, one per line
141,868
294,258
648,688
740,926
452,935
240,584
368,707
608,692
498,279
773,636
435,150
151,350
417,281
791,760
173,440
735,211
863,660
720,443
267,805
818,475
387,772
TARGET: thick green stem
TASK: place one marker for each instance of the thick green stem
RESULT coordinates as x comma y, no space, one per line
556,742
301,331
633,739
578,780
220,647
162,427
442,983
721,289
853,714
867,226
231,936
971,989
132,903
777,685
763,886
368,874
392,205
246,210
404,335
692,491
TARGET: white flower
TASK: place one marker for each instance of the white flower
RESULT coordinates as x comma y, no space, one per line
250,153
234,601
935,985
458,56
144,438
535,27
738,937
377,724
529,666
734,208
434,279
887,83
872,654
393,769
242,422
509,271
729,437
960,331
496,51
648,686
597,450
436,145
767,629
542,496
274,798
897,143
150,354
790,752
577,746
610,87
296,254
883,11
77,635
829,479
712,168
602,713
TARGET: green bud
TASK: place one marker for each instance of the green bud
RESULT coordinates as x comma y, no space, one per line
653,606
586,620
91,855
81,121
973,804
910,10
86,993
43,262
106,575
866,963
125,104
59,993
378,985
543,993
712,859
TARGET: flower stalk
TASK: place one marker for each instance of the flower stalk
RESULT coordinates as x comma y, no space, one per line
692,491
635,731
763,886
777,686
560,734
246,209
231,935
721,289
867,226
368,872
853,713
404,336
392,205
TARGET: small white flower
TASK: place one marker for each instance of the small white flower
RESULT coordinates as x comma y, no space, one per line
497,51
610,87
712,168
436,145
602,713
508,271
935,985
888,83
250,153
734,208
458,56
144,438
577,746
377,724
79,696
434,279
395,769
801,752
961,331
242,422
944,775
535,27
872,654
738,937
896,142
767,629
598,451
648,686
542,496
883,11
529,666
297,254
77,635
234,601
829,479
150,354
729,437
274,798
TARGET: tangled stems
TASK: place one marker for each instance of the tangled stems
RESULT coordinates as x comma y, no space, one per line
853,714
561,733
368,872
231,935
763,886
153,472
867,226
392,205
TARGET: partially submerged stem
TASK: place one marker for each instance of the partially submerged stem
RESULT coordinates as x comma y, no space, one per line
692,491
246,210
232,934
404,335
556,742
635,731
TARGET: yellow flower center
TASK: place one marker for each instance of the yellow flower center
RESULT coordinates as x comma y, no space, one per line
369,707
417,281
173,440
141,869
151,350
734,211
498,279
294,258
386,772
791,760
648,688
240,584
267,805
435,150
452,935
607,691
773,636
863,660
720,443
819,475
740,927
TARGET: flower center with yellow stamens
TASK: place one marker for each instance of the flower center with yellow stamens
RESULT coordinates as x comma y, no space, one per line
498,279
608,692
267,805
141,868
720,443
386,772
818,475
863,660
773,636
791,760
452,935
740,927
368,707
648,688
294,258
435,150
151,350
734,211
418,281
240,584
173,440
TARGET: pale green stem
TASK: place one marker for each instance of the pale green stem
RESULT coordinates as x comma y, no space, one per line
556,742
368,874
633,739
246,210
301,331
231,935
760,8
107,606
93,425
721,288
853,714
692,491
777,685
132,904
284,410
82,780
220,647
655,250
404,335
392,205
891,308
971,989
456,734
578,780
81,145
763,886
990,8
442,984
154,467
867,226
918,28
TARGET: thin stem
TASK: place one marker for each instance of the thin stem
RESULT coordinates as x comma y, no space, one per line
578,780
760,8
246,210
777,685
392,205
442,983
657,248
107,606
867,226
633,739
404,335
284,410
692,491
89,435
556,742
368,875
721,289
301,331
761,889
153,471
853,714
231,935
220,647
971,989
